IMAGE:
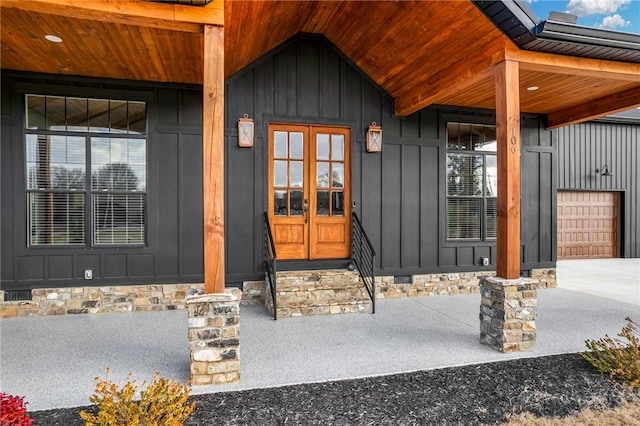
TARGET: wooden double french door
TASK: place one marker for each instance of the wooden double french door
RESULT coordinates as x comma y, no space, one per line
309,191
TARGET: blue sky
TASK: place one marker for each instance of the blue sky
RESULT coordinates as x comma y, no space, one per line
619,15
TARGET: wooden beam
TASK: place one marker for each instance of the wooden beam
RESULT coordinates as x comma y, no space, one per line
129,12
508,139
571,65
595,109
211,14
450,80
213,161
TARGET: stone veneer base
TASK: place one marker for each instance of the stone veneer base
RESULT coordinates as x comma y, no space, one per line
214,337
103,299
160,297
508,311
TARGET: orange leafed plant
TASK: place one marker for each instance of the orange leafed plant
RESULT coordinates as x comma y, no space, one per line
161,403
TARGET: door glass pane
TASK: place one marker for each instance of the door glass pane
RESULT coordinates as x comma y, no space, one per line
280,203
322,203
337,203
296,176
322,147
296,146
296,203
322,175
337,175
337,147
280,145
280,173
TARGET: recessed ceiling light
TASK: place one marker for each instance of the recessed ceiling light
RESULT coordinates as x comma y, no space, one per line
53,38
532,88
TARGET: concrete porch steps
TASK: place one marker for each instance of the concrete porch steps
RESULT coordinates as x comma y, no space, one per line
323,292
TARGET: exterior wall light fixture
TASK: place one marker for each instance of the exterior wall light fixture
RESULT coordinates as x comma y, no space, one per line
374,138
245,132
604,171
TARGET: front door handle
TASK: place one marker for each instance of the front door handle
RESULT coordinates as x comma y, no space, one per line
305,211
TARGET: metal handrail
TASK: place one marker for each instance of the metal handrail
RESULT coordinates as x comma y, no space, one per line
270,256
362,255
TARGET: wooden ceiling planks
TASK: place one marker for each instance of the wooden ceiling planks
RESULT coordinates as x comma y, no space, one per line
565,91
615,102
436,49
420,52
574,89
98,49
427,49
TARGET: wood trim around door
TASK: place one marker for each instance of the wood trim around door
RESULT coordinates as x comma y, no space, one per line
309,185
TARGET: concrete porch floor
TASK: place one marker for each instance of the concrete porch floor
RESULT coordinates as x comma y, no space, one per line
53,360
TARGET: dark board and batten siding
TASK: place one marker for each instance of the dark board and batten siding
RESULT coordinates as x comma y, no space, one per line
583,148
399,193
173,253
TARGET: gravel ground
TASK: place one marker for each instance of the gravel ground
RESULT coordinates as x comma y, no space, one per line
483,394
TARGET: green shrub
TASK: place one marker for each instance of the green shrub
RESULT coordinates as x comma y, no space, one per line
620,358
162,403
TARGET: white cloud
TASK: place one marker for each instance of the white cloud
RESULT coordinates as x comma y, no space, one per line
584,8
612,22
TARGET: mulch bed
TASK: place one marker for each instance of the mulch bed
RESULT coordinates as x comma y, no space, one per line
552,386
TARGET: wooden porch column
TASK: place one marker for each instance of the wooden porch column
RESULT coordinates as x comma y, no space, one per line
508,138
213,159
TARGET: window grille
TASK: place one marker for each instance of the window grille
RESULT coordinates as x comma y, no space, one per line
86,171
471,182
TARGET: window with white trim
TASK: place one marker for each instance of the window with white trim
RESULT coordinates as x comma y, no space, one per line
472,182
86,171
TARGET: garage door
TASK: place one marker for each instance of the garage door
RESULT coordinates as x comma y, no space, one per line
587,224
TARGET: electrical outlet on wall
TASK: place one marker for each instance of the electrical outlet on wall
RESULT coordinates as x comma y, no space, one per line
484,261
88,274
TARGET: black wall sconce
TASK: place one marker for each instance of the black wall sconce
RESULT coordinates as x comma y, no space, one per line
604,171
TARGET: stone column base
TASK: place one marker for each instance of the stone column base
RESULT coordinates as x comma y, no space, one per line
507,314
214,337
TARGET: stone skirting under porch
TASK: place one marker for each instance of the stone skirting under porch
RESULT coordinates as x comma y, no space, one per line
109,299
97,300
450,284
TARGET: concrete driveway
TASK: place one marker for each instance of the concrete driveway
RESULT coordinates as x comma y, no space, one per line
615,279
